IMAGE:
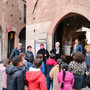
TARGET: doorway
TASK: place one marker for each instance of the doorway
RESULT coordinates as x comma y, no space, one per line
22,38
11,39
69,29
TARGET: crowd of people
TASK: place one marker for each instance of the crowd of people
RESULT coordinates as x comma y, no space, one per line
46,70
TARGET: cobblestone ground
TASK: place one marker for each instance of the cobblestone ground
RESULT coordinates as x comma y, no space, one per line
26,87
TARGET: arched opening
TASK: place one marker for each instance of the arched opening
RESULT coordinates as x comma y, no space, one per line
11,40
22,38
72,26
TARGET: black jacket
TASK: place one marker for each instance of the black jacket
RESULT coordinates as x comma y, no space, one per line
43,52
29,56
15,52
87,80
57,55
15,77
48,69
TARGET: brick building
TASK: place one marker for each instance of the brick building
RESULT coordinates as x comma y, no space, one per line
45,21
49,21
12,25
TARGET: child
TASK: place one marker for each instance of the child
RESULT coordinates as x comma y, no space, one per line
24,61
15,74
50,63
43,65
35,78
63,58
54,72
3,68
65,78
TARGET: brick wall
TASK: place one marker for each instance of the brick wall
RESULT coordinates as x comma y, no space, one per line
11,14
52,11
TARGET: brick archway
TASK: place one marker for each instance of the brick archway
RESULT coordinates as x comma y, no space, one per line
19,30
59,16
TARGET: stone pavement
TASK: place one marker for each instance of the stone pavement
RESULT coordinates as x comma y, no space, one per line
1,82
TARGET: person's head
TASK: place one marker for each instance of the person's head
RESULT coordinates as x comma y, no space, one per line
40,56
59,62
57,44
17,61
64,68
37,63
87,48
29,48
22,55
19,46
76,41
7,62
52,56
63,58
79,57
41,46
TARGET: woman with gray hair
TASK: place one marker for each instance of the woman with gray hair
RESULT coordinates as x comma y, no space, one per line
56,50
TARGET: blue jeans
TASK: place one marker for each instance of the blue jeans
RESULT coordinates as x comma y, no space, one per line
29,64
49,83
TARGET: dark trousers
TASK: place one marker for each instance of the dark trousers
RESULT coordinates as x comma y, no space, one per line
4,89
49,83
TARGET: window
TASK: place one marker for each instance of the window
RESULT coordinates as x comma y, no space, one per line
24,13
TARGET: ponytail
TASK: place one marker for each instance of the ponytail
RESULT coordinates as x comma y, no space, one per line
63,78
59,62
59,66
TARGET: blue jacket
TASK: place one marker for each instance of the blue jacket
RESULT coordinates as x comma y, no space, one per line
15,77
15,52
43,68
87,60
79,48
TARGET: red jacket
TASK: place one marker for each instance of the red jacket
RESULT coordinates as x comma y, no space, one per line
36,80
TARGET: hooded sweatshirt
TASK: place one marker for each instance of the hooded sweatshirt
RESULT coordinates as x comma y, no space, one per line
36,80
49,65
15,78
68,81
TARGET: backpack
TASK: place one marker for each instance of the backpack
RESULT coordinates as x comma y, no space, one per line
87,80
